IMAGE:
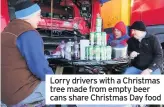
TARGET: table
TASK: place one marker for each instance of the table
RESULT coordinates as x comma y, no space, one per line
110,64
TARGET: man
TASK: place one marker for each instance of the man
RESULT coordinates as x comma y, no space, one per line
144,50
23,63
119,36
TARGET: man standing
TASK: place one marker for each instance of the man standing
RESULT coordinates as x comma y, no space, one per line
23,63
144,50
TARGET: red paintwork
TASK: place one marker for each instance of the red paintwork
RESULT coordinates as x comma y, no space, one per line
149,11
95,10
78,21
4,14
59,24
65,24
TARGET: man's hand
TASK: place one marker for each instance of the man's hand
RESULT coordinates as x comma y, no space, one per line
133,54
146,72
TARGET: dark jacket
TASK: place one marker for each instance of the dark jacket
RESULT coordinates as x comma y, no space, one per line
17,81
150,52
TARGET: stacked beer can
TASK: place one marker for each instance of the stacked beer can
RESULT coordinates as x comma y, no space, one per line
98,49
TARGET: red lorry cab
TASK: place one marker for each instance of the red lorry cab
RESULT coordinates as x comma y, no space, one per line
151,13
4,14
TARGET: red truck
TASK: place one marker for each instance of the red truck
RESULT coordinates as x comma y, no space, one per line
150,12
4,14
69,18
68,15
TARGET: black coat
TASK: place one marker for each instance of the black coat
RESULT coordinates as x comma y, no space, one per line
150,52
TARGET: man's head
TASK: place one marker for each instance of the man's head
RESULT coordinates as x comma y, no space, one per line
138,29
119,29
29,12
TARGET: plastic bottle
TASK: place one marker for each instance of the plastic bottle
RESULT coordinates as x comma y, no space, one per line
76,50
62,51
68,50
71,43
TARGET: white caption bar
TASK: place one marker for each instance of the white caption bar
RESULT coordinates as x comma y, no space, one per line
104,89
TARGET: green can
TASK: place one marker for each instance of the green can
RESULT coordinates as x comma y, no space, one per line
99,21
97,53
103,53
98,29
86,53
98,38
92,36
50,14
104,39
108,52
90,53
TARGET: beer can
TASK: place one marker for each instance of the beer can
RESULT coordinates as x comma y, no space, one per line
99,21
103,53
98,29
98,38
103,38
92,36
90,53
108,52
97,53
86,52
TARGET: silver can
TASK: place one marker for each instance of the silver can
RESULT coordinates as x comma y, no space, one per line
98,29
103,38
98,38
92,36
103,53
97,53
86,53
108,52
99,21
90,53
